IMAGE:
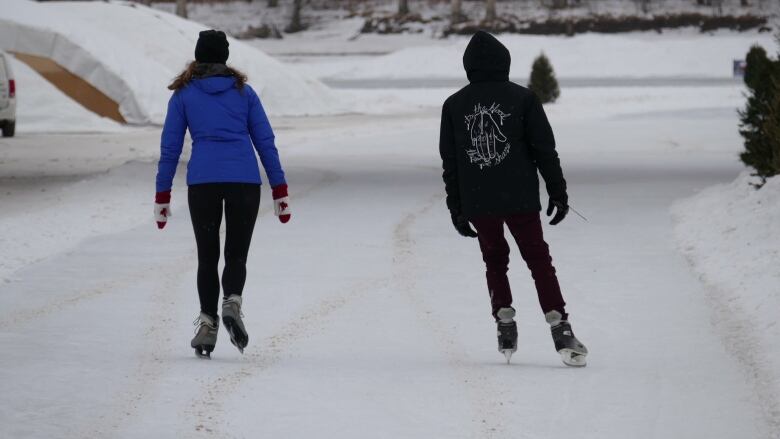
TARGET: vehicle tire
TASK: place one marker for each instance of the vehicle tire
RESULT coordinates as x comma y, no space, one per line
9,128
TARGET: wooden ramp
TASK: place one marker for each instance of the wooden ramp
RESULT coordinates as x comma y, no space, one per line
74,86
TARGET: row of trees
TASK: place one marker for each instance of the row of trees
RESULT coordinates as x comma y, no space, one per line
456,7
295,25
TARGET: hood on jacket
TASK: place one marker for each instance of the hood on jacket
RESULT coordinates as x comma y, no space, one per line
486,59
215,84
213,78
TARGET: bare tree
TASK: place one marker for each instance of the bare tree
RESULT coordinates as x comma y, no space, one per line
456,12
403,7
273,3
644,5
181,8
295,21
490,10
716,4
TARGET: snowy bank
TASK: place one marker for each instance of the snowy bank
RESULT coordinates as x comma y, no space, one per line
731,235
131,53
673,54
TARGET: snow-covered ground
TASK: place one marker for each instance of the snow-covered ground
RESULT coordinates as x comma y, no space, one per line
131,53
368,314
393,335
673,54
731,235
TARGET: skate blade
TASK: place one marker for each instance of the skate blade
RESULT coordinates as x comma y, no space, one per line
572,358
508,354
203,354
235,338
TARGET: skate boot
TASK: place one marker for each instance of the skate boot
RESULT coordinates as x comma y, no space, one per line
231,317
507,332
572,351
205,335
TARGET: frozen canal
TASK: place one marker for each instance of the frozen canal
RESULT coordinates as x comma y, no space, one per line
368,315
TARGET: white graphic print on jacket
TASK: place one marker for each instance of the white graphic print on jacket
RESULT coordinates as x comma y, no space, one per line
489,145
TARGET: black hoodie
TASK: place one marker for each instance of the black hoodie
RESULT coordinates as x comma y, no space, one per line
494,138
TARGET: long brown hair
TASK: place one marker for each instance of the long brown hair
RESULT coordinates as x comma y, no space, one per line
196,69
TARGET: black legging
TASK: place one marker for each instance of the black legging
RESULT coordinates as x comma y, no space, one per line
241,203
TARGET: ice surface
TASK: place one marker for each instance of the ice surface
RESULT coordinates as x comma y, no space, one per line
368,314
367,311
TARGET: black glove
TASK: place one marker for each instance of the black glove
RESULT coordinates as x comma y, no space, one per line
462,226
561,204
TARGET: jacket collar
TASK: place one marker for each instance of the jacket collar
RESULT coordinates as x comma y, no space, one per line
205,70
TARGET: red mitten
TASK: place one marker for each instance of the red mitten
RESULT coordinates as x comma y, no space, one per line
162,208
281,202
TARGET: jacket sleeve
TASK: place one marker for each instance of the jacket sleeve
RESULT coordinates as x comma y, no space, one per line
449,162
263,138
171,143
542,147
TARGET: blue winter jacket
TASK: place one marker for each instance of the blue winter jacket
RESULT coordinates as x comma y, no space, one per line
224,122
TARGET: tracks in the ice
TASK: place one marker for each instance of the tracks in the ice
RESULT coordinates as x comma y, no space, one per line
151,363
272,350
164,277
735,329
484,396
160,324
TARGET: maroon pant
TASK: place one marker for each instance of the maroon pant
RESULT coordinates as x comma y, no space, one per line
526,228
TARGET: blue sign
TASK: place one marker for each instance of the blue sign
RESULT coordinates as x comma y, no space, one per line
739,68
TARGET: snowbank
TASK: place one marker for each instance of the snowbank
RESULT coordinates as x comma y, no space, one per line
642,54
41,107
131,52
731,235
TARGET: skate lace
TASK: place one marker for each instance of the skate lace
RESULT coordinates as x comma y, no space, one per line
198,323
240,312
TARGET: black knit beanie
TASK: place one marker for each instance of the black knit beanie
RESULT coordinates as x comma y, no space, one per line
212,47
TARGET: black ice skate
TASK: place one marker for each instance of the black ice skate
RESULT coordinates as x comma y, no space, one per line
231,317
572,351
507,332
205,335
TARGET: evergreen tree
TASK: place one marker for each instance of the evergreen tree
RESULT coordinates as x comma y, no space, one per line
772,128
543,81
759,119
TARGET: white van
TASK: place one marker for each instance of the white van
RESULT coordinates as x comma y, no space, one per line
7,96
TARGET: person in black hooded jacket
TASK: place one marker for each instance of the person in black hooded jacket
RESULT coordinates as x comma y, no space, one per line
494,139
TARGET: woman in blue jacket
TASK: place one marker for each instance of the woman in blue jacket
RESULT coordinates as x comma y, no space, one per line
225,119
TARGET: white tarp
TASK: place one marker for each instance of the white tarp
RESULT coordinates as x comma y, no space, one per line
16,37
